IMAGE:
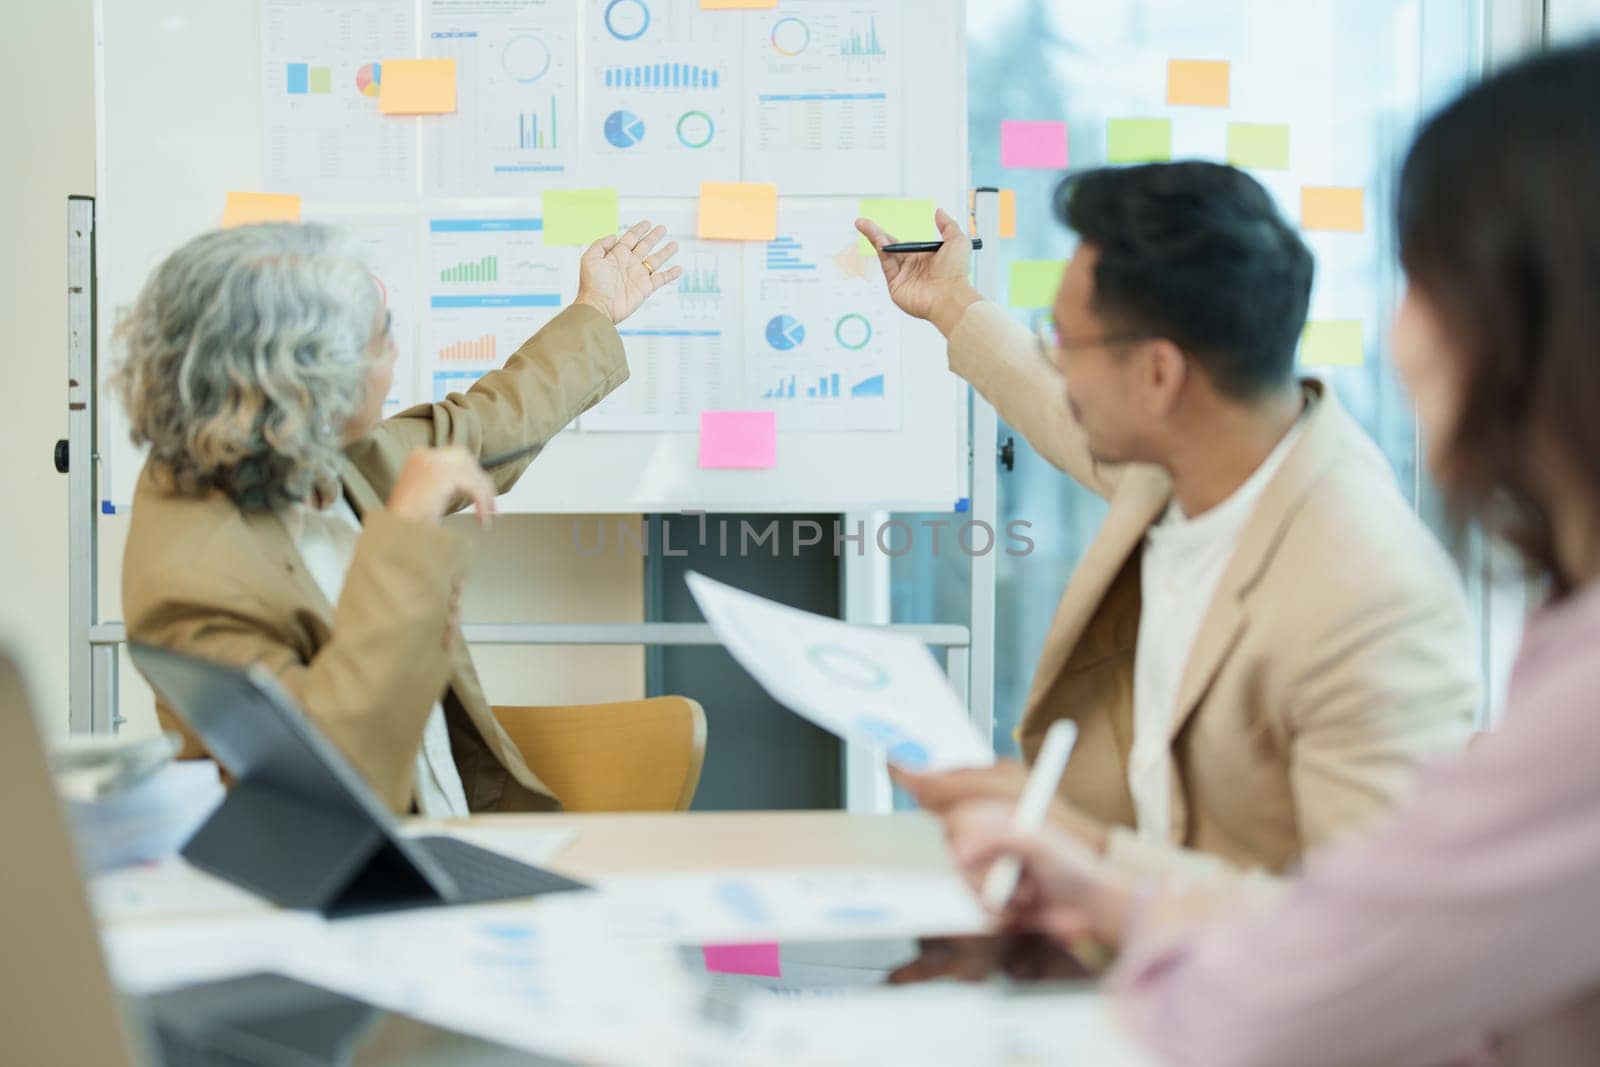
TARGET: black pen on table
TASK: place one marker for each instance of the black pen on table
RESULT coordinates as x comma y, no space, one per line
926,246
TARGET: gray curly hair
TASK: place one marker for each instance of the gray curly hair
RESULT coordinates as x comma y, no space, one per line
245,356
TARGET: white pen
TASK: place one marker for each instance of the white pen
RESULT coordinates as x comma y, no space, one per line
1001,881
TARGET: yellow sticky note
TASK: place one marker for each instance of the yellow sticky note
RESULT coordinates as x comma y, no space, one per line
244,208
1034,282
578,216
737,5
1262,146
1138,140
417,87
1198,82
1332,208
904,220
1332,343
1008,211
738,211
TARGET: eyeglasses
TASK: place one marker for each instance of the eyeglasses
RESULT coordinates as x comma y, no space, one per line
1051,341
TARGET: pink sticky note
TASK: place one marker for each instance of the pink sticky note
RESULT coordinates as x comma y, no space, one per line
1040,145
746,440
743,959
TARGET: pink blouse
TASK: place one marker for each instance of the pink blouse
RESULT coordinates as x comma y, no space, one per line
1464,930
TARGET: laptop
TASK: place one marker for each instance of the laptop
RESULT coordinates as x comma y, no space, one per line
57,1002
300,826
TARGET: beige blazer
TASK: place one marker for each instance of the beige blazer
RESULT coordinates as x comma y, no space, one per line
202,577
1335,656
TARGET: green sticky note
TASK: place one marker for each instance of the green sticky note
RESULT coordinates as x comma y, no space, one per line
1333,343
1138,140
1265,147
579,216
1034,282
907,220
320,79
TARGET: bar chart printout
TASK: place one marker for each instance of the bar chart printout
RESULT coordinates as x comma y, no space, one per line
493,285
514,127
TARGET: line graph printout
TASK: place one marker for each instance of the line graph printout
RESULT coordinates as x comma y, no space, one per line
321,65
492,284
824,97
662,96
515,128
821,338
683,344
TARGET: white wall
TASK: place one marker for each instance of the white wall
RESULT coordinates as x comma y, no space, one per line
528,568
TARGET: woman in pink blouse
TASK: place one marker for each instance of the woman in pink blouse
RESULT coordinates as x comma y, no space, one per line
1466,928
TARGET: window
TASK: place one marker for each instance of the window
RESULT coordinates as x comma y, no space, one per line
1349,78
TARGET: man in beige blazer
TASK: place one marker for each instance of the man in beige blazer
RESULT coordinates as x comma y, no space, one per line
1263,641
212,566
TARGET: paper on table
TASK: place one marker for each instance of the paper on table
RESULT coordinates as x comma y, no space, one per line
1332,208
931,1025
905,220
1033,145
756,906
169,888
1197,82
1034,282
1138,140
244,208
864,684
146,957
579,216
417,87
738,211
1264,147
1334,343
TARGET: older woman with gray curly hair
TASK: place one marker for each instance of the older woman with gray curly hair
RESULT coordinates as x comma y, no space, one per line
280,520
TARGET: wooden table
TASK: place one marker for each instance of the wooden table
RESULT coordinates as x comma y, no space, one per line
613,845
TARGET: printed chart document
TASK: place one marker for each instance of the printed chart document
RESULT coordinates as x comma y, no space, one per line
824,99
492,284
821,337
321,66
515,127
741,907
683,343
866,685
662,96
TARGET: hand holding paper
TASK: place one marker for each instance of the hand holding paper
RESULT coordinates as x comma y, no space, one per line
864,684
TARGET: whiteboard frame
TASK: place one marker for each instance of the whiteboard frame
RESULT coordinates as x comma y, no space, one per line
924,466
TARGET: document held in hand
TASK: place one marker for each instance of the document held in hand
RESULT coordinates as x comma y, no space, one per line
865,684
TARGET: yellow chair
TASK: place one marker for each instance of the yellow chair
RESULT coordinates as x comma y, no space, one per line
637,755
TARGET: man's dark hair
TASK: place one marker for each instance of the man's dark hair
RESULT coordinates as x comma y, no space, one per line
1196,253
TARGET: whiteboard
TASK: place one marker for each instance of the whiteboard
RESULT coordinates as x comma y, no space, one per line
180,116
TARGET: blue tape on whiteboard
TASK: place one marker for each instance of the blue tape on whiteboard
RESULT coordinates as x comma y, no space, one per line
963,505
106,508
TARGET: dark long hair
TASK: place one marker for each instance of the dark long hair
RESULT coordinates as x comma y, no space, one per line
1499,225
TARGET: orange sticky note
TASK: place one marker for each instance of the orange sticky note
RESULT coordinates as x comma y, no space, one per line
739,211
244,208
417,87
737,5
1008,211
1332,208
1198,82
